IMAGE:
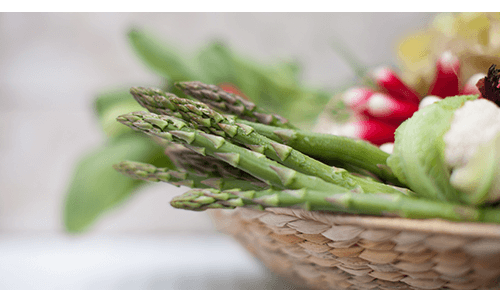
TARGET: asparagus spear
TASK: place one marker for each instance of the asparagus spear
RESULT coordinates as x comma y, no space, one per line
203,199
254,163
231,103
191,161
330,148
347,202
323,147
149,172
205,118
154,100
208,120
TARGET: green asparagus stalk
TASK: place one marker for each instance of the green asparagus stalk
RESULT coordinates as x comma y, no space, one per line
323,147
330,148
254,163
203,199
210,121
191,161
346,202
204,117
148,172
154,100
231,103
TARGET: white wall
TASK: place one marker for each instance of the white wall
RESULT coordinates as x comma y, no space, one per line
52,66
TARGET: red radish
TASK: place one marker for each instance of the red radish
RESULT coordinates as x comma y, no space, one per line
371,130
446,82
390,82
379,112
386,107
356,97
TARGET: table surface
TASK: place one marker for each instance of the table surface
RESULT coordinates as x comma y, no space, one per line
124,261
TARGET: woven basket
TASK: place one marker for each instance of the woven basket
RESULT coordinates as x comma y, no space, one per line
333,251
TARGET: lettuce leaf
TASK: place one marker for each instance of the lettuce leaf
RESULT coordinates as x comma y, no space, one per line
418,157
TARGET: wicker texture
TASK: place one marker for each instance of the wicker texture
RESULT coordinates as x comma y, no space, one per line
329,251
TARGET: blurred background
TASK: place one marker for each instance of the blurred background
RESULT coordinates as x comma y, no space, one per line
53,65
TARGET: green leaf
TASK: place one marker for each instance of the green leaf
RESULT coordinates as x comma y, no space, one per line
108,100
277,88
110,105
96,187
216,64
164,60
418,157
274,87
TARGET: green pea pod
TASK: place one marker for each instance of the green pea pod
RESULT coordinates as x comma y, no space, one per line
418,158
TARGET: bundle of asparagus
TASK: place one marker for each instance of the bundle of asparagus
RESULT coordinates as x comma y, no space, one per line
235,154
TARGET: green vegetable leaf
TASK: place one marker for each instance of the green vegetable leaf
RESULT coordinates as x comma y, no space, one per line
418,158
96,187
216,64
278,90
164,60
270,87
110,105
275,87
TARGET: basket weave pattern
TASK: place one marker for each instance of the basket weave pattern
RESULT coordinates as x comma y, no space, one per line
331,251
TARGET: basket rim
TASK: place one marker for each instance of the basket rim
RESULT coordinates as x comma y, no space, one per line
433,226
